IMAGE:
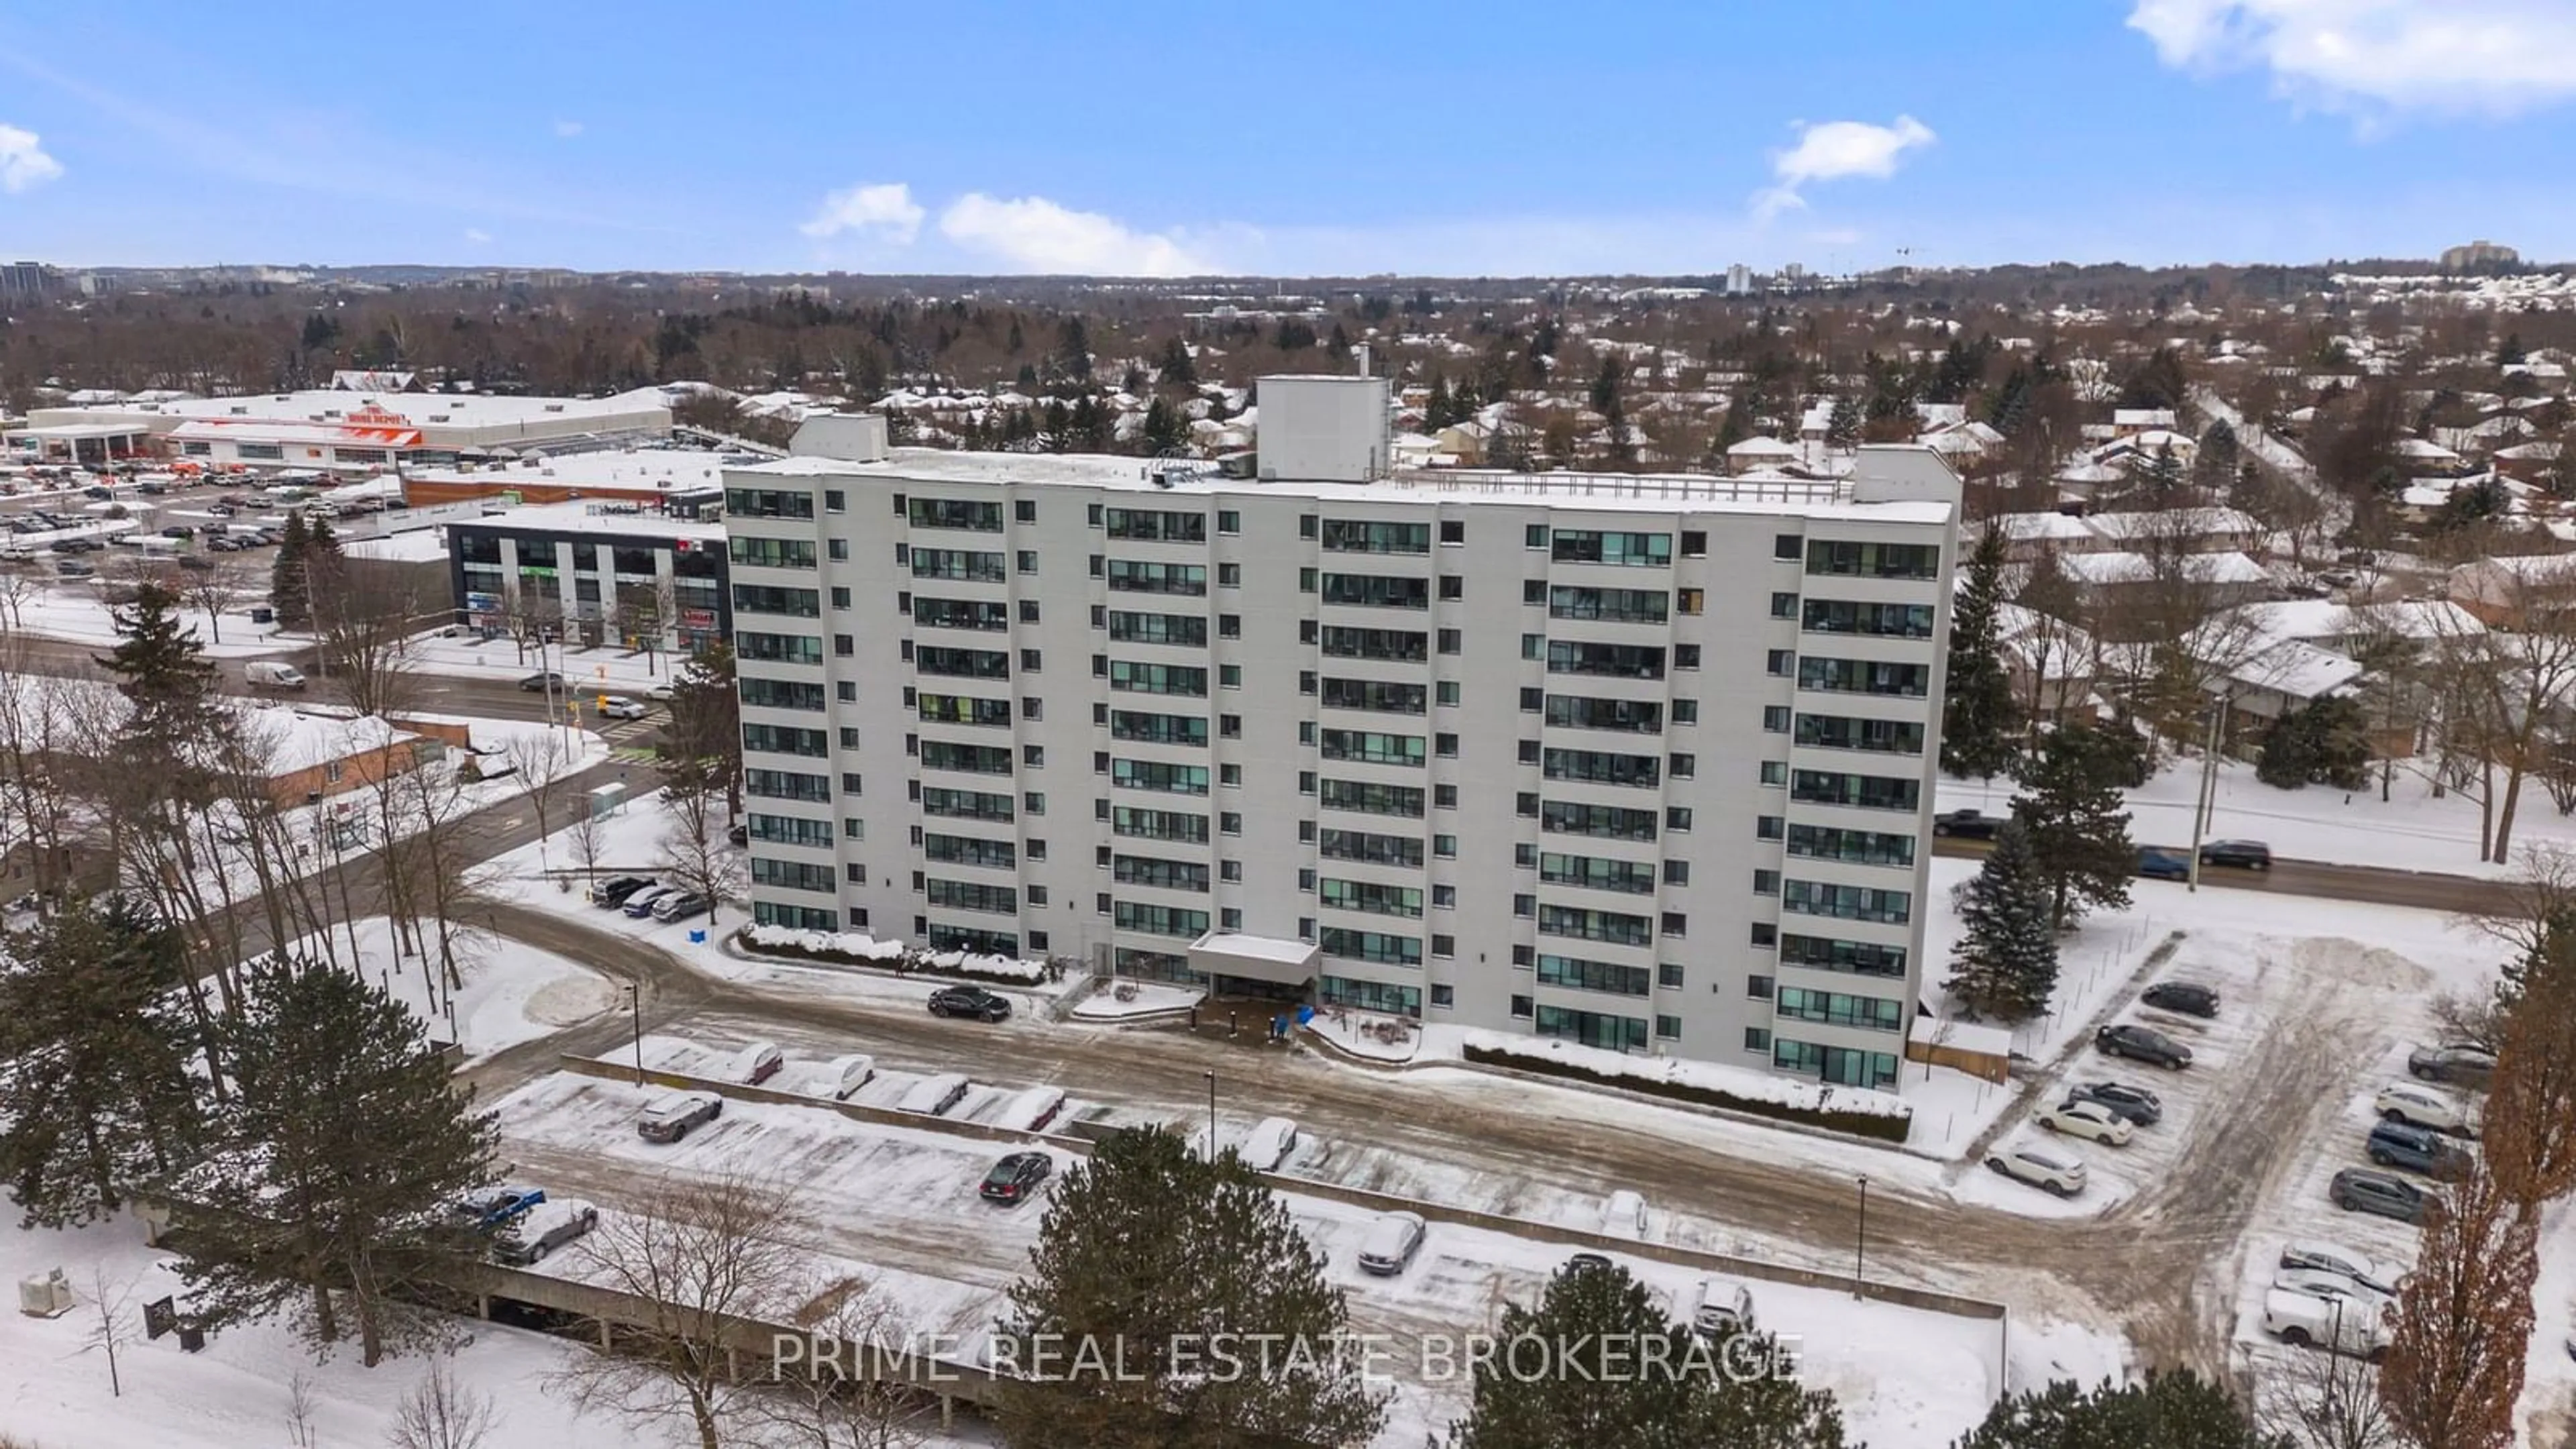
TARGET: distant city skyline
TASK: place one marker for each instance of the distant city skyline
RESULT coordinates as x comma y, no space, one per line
1656,138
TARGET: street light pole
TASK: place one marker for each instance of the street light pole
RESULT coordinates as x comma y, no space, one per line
2205,801
1860,1249
1211,1145
635,1005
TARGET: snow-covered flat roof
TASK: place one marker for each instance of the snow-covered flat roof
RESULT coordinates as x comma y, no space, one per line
660,470
2135,568
601,518
415,409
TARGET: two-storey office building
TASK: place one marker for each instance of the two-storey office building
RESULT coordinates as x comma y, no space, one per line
1645,762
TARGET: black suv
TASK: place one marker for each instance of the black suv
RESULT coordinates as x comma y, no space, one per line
1967,824
2136,1105
2182,996
612,893
970,1001
2250,854
1016,1178
2137,1043
2362,1190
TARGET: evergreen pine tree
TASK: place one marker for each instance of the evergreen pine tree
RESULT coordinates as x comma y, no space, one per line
1605,384
1073,350
1842,425
2160,472
1441,410
2215,461
1177,368
1160,1252
2177,1410
2006,959
701,745
2323,742
334,1164
1589,1396
2511,352
288,593
95,1095
1978,714
2079,825
1165,429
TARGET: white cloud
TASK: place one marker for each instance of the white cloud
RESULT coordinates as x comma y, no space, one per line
477,235
566,130
23,162
884,212
1829,150
1033,234
2461,56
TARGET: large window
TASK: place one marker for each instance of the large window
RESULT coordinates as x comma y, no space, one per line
1636,878
1156,920
787,785
957,563
1860,958
769,739
1874,560
779,693
1370,747
1865,676
962,663
1580,975
1375,694
991,617
1582,712
970,850
964,710
1378,996
1846,902
1889,621
1155,525
1870,1013
795,918
1592,1028
1868,792
1156,775
1371,798
1402,646
1844,1066
1577,545
1173,825
794,875
1369,896
1378,946
768,503
1615,661
1369,849
1351,535
1157,678
774,599
1376,591
1189,630
1137,577
779,648
1608,822
973,759
1625,606
951,513
942,803
981,941
1150,870
1158,729
1860,847
1598,768
1880,736
773,553
789,830
1615,927
970,895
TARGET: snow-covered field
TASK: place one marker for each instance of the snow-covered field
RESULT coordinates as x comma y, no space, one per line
2412,830
75,612
512,994
471,656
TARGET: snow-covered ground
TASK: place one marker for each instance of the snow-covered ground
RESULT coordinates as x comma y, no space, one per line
1141,998
2412,830
513,993
899,1207
73,611
473,657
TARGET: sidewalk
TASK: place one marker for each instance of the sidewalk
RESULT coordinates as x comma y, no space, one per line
473,657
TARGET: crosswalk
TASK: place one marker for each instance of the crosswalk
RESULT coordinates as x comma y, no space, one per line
629,740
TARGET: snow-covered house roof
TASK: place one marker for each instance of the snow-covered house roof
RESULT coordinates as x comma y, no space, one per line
2174,523
2103,569
2041,528
2295,671
2142,417
1763,448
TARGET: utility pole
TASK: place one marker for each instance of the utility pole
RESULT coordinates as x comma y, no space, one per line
635,1005
1211,1081
2206,801
1860,1249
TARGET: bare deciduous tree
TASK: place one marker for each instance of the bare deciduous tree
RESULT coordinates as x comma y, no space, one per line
211,590
2462,1321
440,1413
697,853
2506,693
365,617
2329,1400
839,1398
701,1254
544,760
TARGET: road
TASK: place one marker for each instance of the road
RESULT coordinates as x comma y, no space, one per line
2325,880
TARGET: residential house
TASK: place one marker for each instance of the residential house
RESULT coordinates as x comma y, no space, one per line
2287,676
2501,590
2128,422
2190,530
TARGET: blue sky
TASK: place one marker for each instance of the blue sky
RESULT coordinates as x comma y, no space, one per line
1324,136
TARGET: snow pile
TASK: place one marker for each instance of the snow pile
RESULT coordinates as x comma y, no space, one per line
858,947
1709,1083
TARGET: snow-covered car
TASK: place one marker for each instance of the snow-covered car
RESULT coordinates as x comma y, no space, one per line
2089,1120
670,1117
2348,1325
2342,1261
2426,1108
1033,1110
543,1229
489,1207
932,1096
1623,1215
1720,1306
2324,1283
2041,1167
1269,1143
848,1074
618,706
756,1063
1391,1243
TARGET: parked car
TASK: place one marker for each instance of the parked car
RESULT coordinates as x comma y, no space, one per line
1623,1214
661,693
540,683
72,569
932,1096
2041,1167
640,904
2423,1107
1720,1307
178,530
99,493
1967,824
2244,854
542,1230
970,1001
848,1074
1391,1243
757,1063
2415,1149
681,906
2367,1190
2333,1258
1586,1263
616,891
618,706
487,1208
2138,1043
2342,1325
2089,1120
739,835
2182,996
2326,1283
2156,863
1270,1142
672,1116
273,674
2464,1063
2140,1107
1016,1178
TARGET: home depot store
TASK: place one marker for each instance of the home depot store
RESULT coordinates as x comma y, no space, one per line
602,573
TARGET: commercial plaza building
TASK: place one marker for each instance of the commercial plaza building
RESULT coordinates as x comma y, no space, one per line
1643,762
600,573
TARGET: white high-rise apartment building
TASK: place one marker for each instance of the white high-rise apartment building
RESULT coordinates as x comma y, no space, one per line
1645,762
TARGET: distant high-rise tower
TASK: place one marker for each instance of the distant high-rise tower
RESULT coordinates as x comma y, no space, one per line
1739,280
2479,253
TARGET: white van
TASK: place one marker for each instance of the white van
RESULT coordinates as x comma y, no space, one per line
270,674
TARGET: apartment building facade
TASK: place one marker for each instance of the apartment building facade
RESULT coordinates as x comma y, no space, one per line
1643,763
